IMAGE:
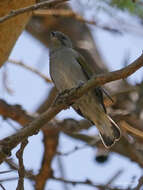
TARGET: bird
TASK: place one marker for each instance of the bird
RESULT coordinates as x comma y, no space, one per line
69,69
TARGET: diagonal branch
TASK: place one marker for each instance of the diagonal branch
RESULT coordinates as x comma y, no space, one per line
19,63
63,102
31,8
14,112
112,76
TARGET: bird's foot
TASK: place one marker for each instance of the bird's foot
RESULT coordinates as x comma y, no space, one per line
80,84
61,97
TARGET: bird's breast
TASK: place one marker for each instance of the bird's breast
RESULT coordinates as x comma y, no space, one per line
65,71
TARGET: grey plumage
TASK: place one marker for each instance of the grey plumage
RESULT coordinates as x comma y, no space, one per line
68,69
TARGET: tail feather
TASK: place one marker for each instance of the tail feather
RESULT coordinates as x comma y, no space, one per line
109,132
115,128
107,140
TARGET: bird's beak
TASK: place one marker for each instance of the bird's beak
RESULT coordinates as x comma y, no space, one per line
53,34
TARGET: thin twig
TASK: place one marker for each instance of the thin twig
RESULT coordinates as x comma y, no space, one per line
114,177
140,183
21,170
44,4
126,126
2,187
7,171
63,102
86,182
62,172
76,148
15,112
5,80
30,69
8,179
14,166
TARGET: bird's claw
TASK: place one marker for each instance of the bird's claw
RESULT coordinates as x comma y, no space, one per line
80,84
61,96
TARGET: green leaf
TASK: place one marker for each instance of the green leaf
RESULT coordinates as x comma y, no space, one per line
133,8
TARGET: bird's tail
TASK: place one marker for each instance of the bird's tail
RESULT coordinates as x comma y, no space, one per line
109,131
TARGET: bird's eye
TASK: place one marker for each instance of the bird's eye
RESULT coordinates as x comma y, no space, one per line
63,38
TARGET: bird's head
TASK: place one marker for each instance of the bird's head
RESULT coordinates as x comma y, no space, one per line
58,39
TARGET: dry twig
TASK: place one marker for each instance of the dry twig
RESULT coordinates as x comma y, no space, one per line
30,69
44,4
125,126
114,177
75,149
14,112
21,170
14,166
8,179
7,171
140,184
86,182
2,187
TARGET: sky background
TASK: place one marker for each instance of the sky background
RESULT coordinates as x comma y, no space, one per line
29,90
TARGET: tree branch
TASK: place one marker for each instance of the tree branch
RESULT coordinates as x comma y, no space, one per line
64,101
101,79
21,170
86,182
31,8
2,187
30,69
14,112
50,141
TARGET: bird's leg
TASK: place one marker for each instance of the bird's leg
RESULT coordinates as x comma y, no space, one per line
80,84
62,94
60,98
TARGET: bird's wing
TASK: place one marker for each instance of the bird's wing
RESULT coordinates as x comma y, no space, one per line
87,70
